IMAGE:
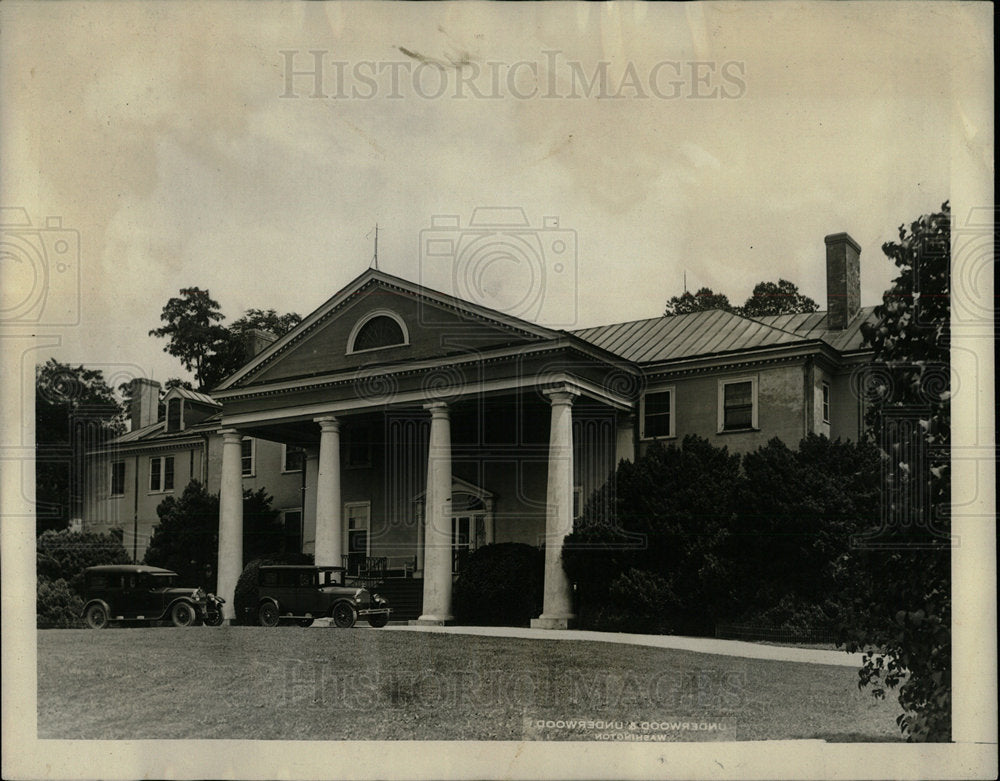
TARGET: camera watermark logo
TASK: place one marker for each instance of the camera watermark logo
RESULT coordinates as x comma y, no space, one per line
40,269
973,256
499,260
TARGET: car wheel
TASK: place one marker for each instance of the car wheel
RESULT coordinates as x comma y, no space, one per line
182,614
378,620
344,615
267,615
214,619
304,622
97,617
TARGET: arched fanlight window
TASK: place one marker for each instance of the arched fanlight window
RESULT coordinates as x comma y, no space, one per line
378,329
463,502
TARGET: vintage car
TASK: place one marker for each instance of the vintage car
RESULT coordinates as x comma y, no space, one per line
302,593
133,592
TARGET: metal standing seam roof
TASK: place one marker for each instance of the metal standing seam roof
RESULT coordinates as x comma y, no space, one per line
201,398
717,331
813,325
157,431
140,433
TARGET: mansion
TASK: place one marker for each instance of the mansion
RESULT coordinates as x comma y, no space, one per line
403,425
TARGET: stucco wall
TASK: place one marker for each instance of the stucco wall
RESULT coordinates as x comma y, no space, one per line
780,413
102,511
846,414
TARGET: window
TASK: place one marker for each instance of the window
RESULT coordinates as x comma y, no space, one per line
738,404
117,478
161,473
174,415
461,542
826,402
577,501
247,454
378,329
357,517
658,414
293,458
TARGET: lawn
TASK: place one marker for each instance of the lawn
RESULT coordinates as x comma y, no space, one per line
327,684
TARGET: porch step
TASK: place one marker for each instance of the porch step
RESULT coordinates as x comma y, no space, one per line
404,595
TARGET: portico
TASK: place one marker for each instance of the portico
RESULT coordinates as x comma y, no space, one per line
442,394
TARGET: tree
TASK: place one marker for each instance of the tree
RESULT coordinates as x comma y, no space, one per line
75,410
768,298
701,301
233,351
186,540
193,330
902,610
211,350
268,320
782,298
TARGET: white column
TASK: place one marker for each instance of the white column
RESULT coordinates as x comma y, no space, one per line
309,501
557,608
437,520
230,519
488,523
419,565
329,520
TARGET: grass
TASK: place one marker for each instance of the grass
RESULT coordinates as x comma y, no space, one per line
328,684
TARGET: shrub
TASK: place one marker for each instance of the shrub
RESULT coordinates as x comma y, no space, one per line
671,515
647,600
697,536
795,616
186,540
245,597
501,585
57,604
64,555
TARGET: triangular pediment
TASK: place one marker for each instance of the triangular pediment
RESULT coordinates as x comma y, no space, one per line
420,325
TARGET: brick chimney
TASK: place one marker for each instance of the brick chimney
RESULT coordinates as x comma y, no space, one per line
144,407
258,340
843,280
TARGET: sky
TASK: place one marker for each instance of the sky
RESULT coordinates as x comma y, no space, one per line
190,144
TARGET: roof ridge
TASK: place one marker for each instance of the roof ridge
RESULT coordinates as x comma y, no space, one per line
775,327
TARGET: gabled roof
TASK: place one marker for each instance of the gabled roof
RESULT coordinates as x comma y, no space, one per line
184,393
371,278
717,331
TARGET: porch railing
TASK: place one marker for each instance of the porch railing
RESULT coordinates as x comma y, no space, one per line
369,571
364,571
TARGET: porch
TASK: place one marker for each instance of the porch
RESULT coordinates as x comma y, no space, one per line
490,468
